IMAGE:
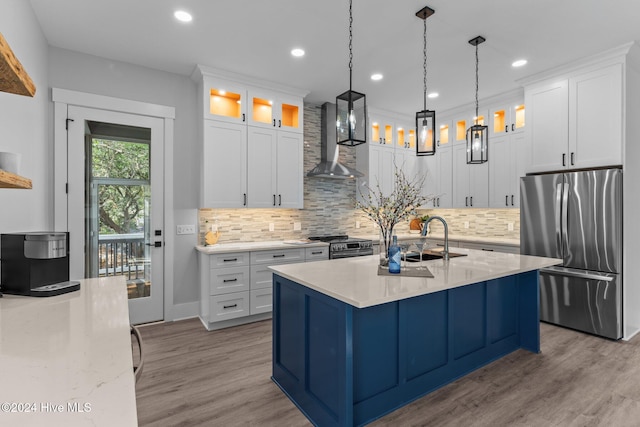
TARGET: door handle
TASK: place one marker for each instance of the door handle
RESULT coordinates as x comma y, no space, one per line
155,244
565,218
558,216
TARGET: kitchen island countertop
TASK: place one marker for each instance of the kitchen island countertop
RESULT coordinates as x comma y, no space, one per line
355,281
266,245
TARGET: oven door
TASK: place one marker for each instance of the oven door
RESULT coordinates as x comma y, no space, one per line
349,253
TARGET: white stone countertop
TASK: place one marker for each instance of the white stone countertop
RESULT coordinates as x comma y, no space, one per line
457,237
267,245
66,350
355,281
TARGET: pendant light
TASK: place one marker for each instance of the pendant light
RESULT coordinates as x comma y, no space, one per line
351,106
477,135
425,119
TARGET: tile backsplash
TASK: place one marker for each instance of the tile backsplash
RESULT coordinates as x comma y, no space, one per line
329,207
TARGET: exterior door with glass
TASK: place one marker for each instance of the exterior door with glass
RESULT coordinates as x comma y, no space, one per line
115,203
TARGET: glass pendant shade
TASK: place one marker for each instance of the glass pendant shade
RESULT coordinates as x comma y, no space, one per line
351,118
477,144
425,130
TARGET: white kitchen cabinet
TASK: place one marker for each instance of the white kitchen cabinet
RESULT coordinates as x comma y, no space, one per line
224,100
253,150
224,165
439,177
470,182
575,121
274,110
506,167
506,118
236,288
275,176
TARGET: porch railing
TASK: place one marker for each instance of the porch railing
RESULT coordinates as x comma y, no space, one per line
122,254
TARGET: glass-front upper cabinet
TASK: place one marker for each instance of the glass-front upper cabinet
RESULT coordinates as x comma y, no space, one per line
507,119
405,137
382,130
224,102
445,134
274,110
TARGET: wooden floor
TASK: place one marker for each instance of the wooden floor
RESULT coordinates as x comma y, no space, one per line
193,377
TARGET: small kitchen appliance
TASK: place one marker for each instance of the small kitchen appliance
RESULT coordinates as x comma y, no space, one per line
343,246
36,264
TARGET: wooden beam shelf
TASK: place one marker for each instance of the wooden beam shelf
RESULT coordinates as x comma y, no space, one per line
11,180
13,78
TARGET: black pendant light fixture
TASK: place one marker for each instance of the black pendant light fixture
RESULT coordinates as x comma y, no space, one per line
425,119
351,106
477,135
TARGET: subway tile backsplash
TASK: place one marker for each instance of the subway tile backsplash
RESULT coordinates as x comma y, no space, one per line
329,207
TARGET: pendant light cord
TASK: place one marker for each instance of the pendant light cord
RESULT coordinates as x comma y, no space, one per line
350,42
424,64
476,83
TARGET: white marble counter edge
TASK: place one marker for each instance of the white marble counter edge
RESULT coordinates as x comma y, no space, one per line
292,272
267,245
452,237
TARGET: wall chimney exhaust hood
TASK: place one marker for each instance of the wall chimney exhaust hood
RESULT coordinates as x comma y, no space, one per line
329,167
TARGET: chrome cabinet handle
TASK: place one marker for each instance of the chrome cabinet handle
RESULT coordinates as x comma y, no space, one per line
558,215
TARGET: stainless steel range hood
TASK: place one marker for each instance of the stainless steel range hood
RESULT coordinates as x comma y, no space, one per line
329,167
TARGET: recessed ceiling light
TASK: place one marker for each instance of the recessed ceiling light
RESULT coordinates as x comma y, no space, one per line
433,95
183,16
297,52
519,63
376,76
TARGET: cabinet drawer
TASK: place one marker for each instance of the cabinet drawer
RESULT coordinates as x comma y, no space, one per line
261,301
261,277
278,256
231,259
227,280
491,247
229,306
313,254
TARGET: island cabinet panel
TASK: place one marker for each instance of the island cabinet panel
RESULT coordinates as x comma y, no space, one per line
347,366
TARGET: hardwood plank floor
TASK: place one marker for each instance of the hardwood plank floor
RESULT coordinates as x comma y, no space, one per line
193,377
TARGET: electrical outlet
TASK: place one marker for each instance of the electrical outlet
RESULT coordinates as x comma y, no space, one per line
297,226
510,226
185,229
357,224
466,224
272,227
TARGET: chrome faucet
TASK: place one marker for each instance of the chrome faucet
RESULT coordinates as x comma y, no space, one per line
445,252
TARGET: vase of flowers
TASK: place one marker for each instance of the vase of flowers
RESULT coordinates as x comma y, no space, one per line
387,211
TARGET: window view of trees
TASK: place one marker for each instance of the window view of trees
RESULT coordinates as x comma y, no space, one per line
123,171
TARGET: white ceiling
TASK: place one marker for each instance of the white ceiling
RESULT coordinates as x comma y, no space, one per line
254,38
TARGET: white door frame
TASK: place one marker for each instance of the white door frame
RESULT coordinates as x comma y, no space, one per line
62,99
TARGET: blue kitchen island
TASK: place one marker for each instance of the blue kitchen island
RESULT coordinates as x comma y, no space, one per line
350,346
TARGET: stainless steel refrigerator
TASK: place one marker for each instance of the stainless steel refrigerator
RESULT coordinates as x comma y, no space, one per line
576,216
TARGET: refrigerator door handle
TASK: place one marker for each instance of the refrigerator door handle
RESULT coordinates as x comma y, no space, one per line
577,273
558,215
565,220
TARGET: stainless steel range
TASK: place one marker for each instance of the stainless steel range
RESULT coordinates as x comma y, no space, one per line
343,246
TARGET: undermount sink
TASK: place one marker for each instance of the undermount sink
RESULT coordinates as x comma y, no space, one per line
430,254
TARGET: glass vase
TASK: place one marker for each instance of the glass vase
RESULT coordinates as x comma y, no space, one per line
385,243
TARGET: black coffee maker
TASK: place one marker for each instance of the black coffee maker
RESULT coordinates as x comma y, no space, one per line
36,264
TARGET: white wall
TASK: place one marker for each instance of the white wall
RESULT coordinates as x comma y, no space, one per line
24,126
87,73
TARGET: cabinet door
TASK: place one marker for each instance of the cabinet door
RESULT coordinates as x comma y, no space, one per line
460,177
381,169
382,130
595,118
506,119
262,108
519,162
547,128
261,187
289,170
432,178
290,114
224,101
479,185
224,165
445,177
500,172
